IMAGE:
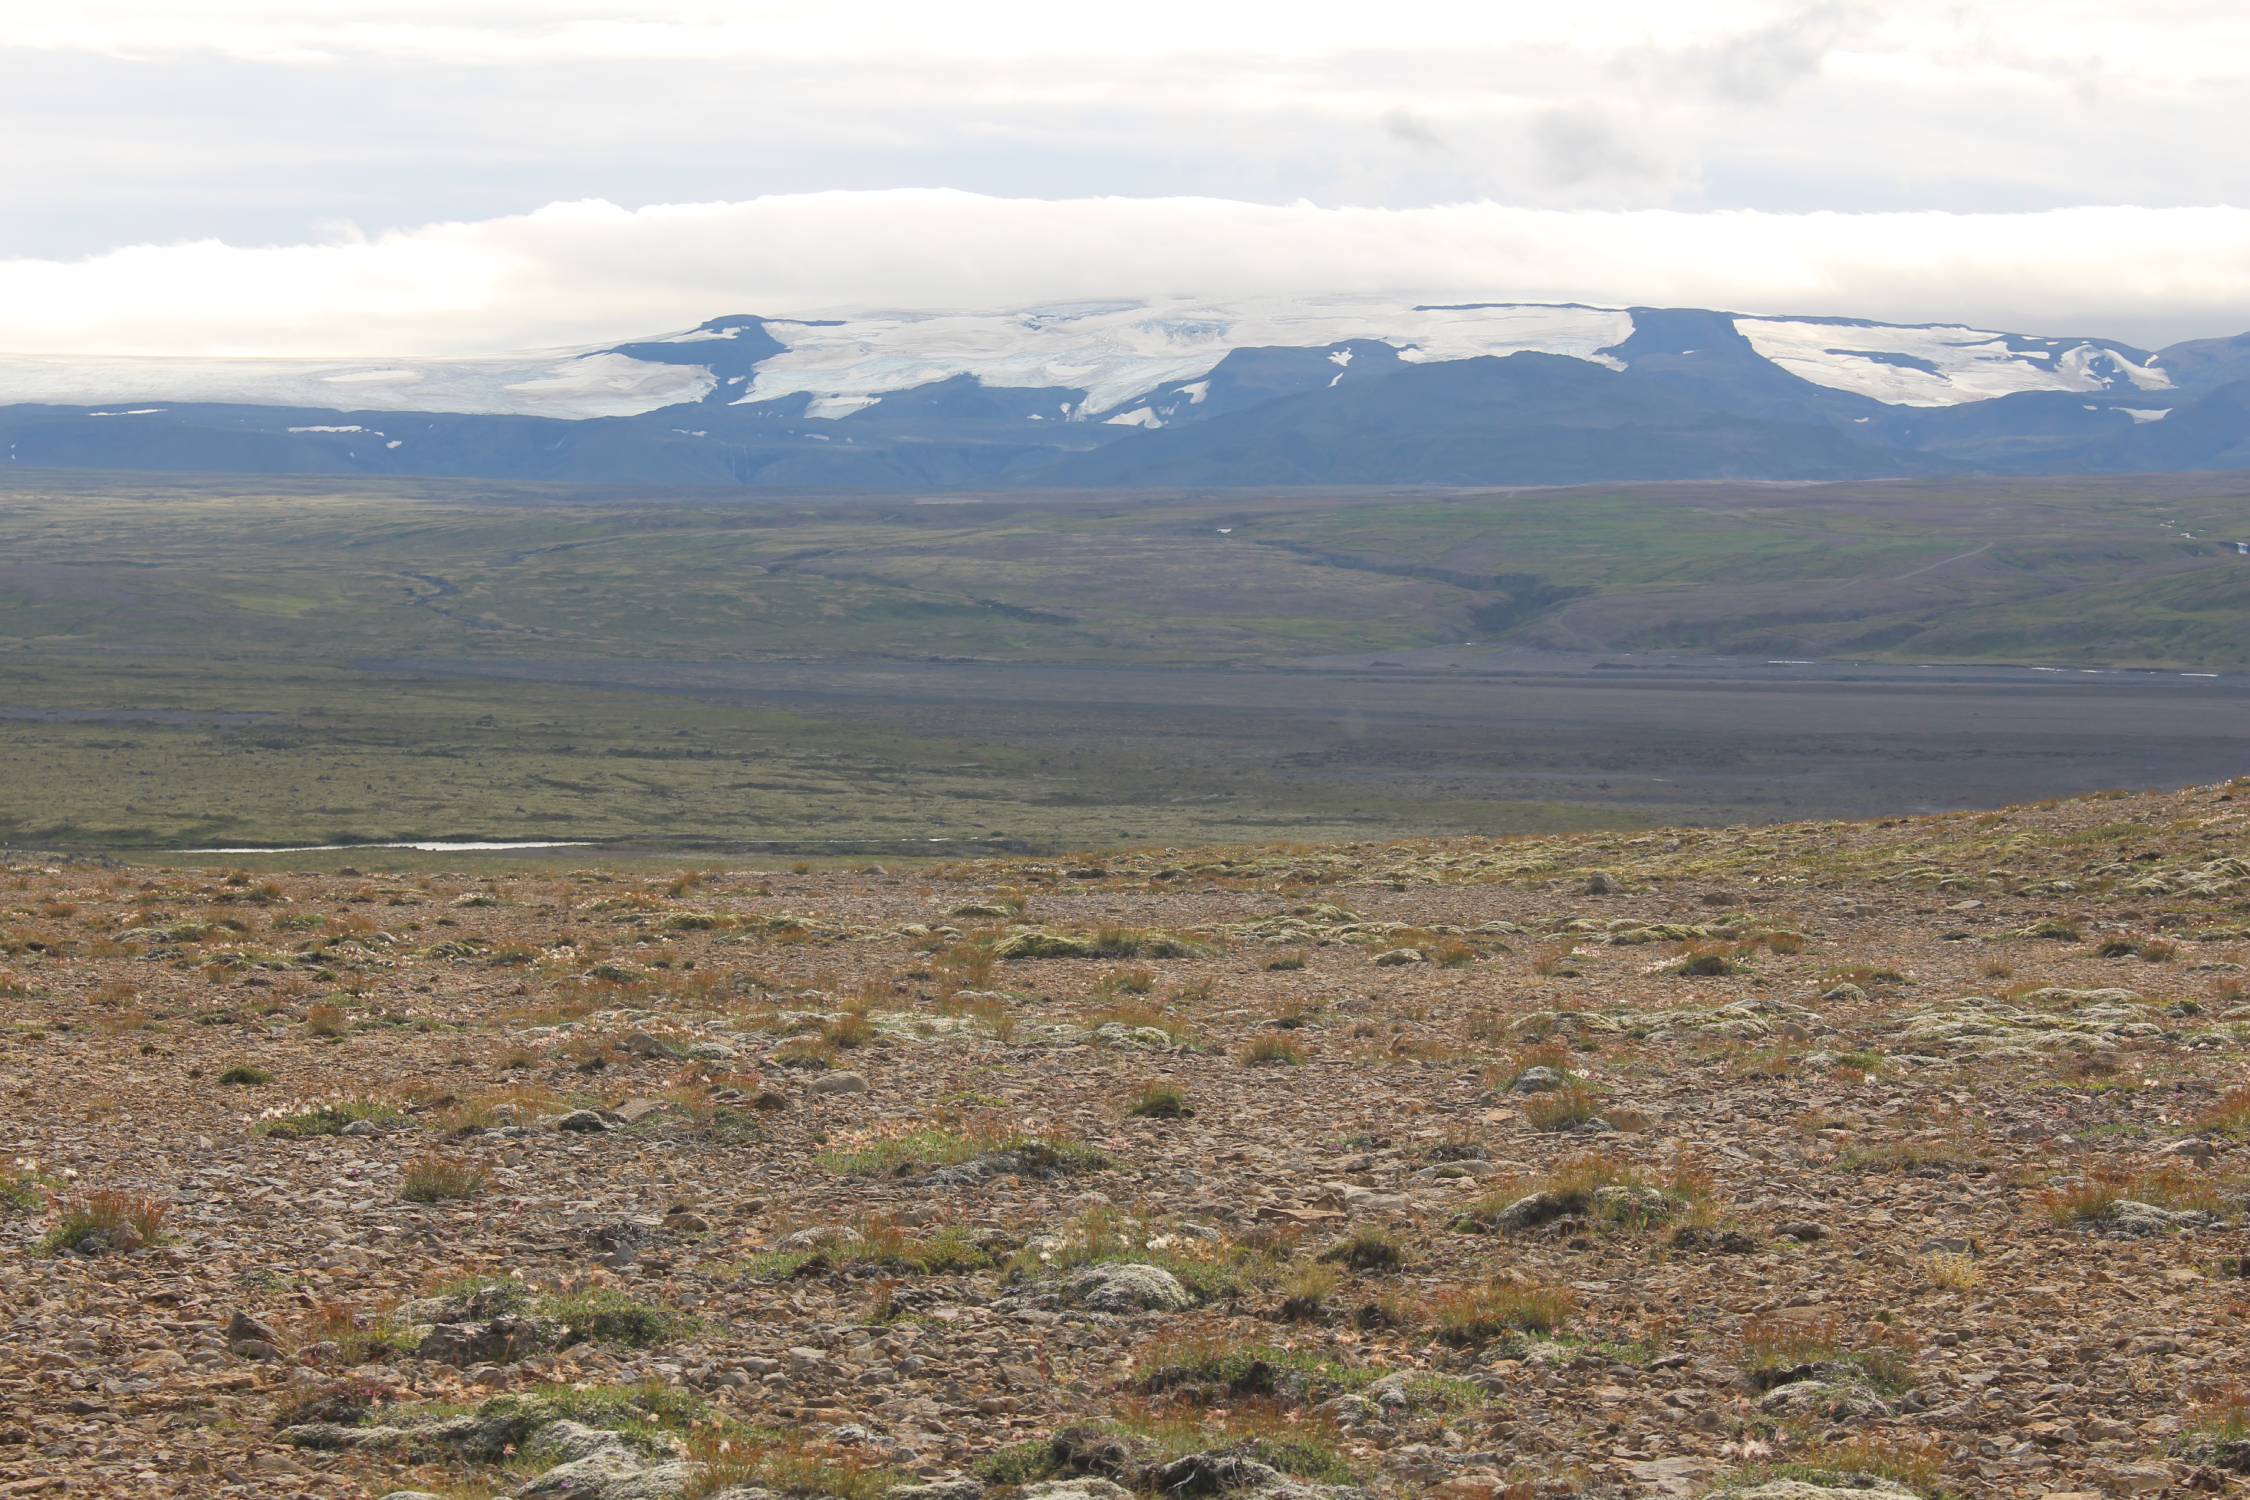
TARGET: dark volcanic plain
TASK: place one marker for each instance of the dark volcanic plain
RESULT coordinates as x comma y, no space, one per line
1711,739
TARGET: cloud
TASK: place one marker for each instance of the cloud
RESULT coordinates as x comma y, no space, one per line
1759,65
253,120
512,32
588,272
1409,128
1574,146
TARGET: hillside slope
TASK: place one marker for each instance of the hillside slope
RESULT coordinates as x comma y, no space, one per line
1874,1161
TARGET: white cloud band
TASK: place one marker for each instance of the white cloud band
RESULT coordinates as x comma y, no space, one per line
590,272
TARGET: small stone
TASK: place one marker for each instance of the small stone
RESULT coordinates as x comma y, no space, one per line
1798,1489
1532,1210
337,1437
2139,1479
567,1442
1127,1287
501,1341
2130,1217
1674,1478
242,1328
641,1044
945,1487
612,1473
1538,1080
1827,1400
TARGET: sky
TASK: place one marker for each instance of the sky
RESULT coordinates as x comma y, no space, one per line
359,177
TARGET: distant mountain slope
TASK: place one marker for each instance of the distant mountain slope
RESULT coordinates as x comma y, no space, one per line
1254,393
1538,418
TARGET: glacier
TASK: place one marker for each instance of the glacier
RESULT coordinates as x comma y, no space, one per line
1119,355
1941,364
1120,352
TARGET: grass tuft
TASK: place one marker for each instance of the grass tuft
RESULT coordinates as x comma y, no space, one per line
1774,1351
304,1119
1273,1051
1161,1101
1476,1314
102,1221
1369,1247
431,1178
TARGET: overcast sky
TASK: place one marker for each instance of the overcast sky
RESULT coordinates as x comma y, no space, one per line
363,176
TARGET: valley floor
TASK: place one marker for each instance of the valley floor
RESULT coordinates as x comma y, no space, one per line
242,662
1906,1154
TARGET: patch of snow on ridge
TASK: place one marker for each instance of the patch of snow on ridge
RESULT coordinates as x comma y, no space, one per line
1938,366
2100,363
1116,352
641,383
372,377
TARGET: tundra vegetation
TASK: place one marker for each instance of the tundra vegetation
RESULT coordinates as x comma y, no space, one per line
422,660
1835,1159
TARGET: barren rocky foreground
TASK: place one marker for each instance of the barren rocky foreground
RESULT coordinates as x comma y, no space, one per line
1874,1159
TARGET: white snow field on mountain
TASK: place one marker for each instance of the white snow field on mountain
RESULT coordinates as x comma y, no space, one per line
1115,353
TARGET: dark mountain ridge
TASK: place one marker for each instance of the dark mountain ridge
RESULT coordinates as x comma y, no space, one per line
1458,396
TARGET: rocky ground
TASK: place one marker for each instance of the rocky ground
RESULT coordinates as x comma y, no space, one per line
1893,1159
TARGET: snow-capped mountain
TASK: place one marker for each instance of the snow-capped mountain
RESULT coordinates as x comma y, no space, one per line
1184,391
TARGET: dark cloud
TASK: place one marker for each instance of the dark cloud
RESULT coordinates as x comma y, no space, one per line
1761,65
1409,128
1574,146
